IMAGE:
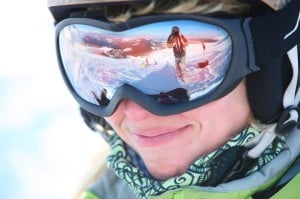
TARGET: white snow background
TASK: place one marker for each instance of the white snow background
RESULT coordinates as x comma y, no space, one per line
45,147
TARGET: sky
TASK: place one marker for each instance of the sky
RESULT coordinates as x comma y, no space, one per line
46,151
162,30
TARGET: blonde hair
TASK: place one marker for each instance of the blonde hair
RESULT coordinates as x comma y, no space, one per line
123,13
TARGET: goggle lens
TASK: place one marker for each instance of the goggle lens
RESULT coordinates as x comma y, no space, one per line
175,61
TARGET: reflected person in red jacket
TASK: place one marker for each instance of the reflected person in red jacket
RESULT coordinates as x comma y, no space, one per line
178,42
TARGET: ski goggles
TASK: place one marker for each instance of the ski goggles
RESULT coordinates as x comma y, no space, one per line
167,64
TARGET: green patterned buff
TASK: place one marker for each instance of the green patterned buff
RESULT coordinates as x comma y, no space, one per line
197,174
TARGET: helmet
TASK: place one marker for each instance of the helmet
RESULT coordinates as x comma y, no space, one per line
277,4
59,8
268,89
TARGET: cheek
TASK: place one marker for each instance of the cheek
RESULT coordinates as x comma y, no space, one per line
116,119
115,122
230,113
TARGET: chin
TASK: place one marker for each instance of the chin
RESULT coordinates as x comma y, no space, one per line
164,173
163,166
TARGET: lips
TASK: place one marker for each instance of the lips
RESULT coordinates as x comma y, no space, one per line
160,136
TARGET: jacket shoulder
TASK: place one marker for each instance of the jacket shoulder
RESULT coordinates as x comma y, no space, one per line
290,190
109,186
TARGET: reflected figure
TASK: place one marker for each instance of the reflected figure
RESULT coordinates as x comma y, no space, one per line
174,96
103,99
178,42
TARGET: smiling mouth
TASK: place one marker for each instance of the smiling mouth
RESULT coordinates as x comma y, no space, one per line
156,138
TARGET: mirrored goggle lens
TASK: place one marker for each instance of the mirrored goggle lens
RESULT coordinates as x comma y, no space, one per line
175,61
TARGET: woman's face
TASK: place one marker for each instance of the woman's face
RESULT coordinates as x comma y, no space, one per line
169,144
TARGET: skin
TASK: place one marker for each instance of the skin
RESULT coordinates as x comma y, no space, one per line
169,144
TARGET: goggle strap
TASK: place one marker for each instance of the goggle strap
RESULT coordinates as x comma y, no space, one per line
274,34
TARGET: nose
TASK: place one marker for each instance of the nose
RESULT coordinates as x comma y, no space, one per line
134,111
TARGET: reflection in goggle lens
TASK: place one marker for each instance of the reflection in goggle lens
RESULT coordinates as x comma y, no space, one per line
173,61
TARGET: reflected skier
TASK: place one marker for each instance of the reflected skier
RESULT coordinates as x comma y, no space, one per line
178,42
